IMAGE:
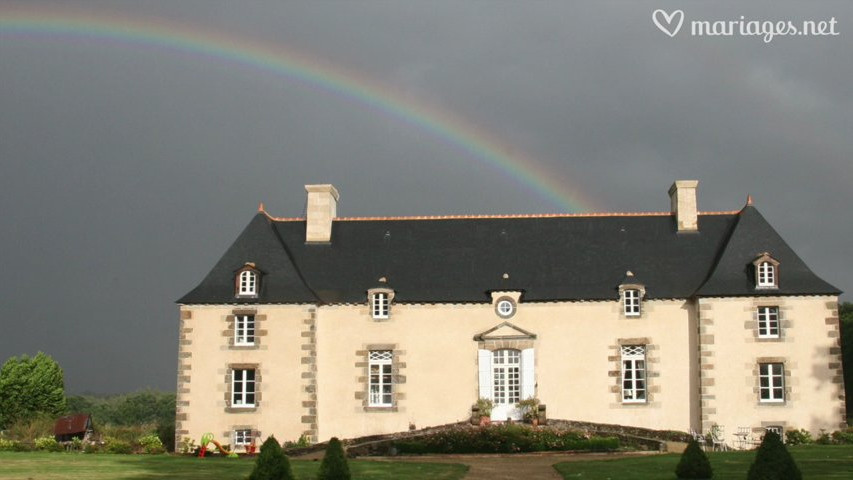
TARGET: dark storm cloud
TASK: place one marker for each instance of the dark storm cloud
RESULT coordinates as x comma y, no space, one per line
125,171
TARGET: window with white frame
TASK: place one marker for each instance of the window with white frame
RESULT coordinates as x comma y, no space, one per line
247,283
381,385
243,387
380,305
633,373
242,437
505,308
771,382
777,429
766,274
506,380
768,322
631,302
244,330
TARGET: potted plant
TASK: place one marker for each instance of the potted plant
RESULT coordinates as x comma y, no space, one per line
484,407
529,410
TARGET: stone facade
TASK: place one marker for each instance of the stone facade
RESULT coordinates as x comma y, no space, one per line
313,378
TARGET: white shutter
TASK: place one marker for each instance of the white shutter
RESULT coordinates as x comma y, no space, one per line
528,377
485,366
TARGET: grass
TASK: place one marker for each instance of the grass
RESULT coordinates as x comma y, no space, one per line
817,462
75,466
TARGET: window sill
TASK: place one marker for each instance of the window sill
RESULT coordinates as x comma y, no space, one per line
379,408
242,409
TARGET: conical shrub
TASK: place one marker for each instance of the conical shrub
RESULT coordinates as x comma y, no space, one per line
773,462
272,463
694,463
334,466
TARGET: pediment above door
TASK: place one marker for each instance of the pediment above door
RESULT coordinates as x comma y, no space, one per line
505,335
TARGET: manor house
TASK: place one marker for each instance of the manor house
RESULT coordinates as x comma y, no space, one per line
326,326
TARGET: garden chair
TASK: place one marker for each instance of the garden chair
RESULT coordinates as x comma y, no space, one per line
700,439
718,438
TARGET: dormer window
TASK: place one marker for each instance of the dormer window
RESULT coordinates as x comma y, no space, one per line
247,281
631,293
380,303
766,271
766,275
631,302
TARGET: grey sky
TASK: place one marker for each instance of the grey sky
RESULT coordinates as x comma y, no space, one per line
126,171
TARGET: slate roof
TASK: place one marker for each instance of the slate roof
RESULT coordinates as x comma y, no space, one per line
549,258
734,273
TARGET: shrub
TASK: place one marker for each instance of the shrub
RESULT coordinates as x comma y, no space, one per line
9,445
166,432
48,444
29,429
843,437
773,462
694,463
126,433
21,447
76,444
115,445
485,406
301,443
272,463
334,466
798,437
823,438
151,444
91,448
529,409
187,446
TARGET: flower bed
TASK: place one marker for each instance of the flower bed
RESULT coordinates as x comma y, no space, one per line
512,438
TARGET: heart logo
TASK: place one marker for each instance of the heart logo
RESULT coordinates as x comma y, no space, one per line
670,23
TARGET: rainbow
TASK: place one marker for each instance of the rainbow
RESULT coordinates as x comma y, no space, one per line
474,142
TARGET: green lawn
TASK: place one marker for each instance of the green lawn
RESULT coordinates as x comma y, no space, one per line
75,466
817,462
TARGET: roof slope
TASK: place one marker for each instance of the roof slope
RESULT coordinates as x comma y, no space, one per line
734,273
71,424
259,244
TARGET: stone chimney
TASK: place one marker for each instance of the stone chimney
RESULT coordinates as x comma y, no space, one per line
322,208
682,193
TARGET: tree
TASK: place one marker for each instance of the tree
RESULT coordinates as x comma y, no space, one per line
694,463
845,314
773,462
30,386
334,466
272,463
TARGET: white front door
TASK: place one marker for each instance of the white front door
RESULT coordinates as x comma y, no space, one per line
506,382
